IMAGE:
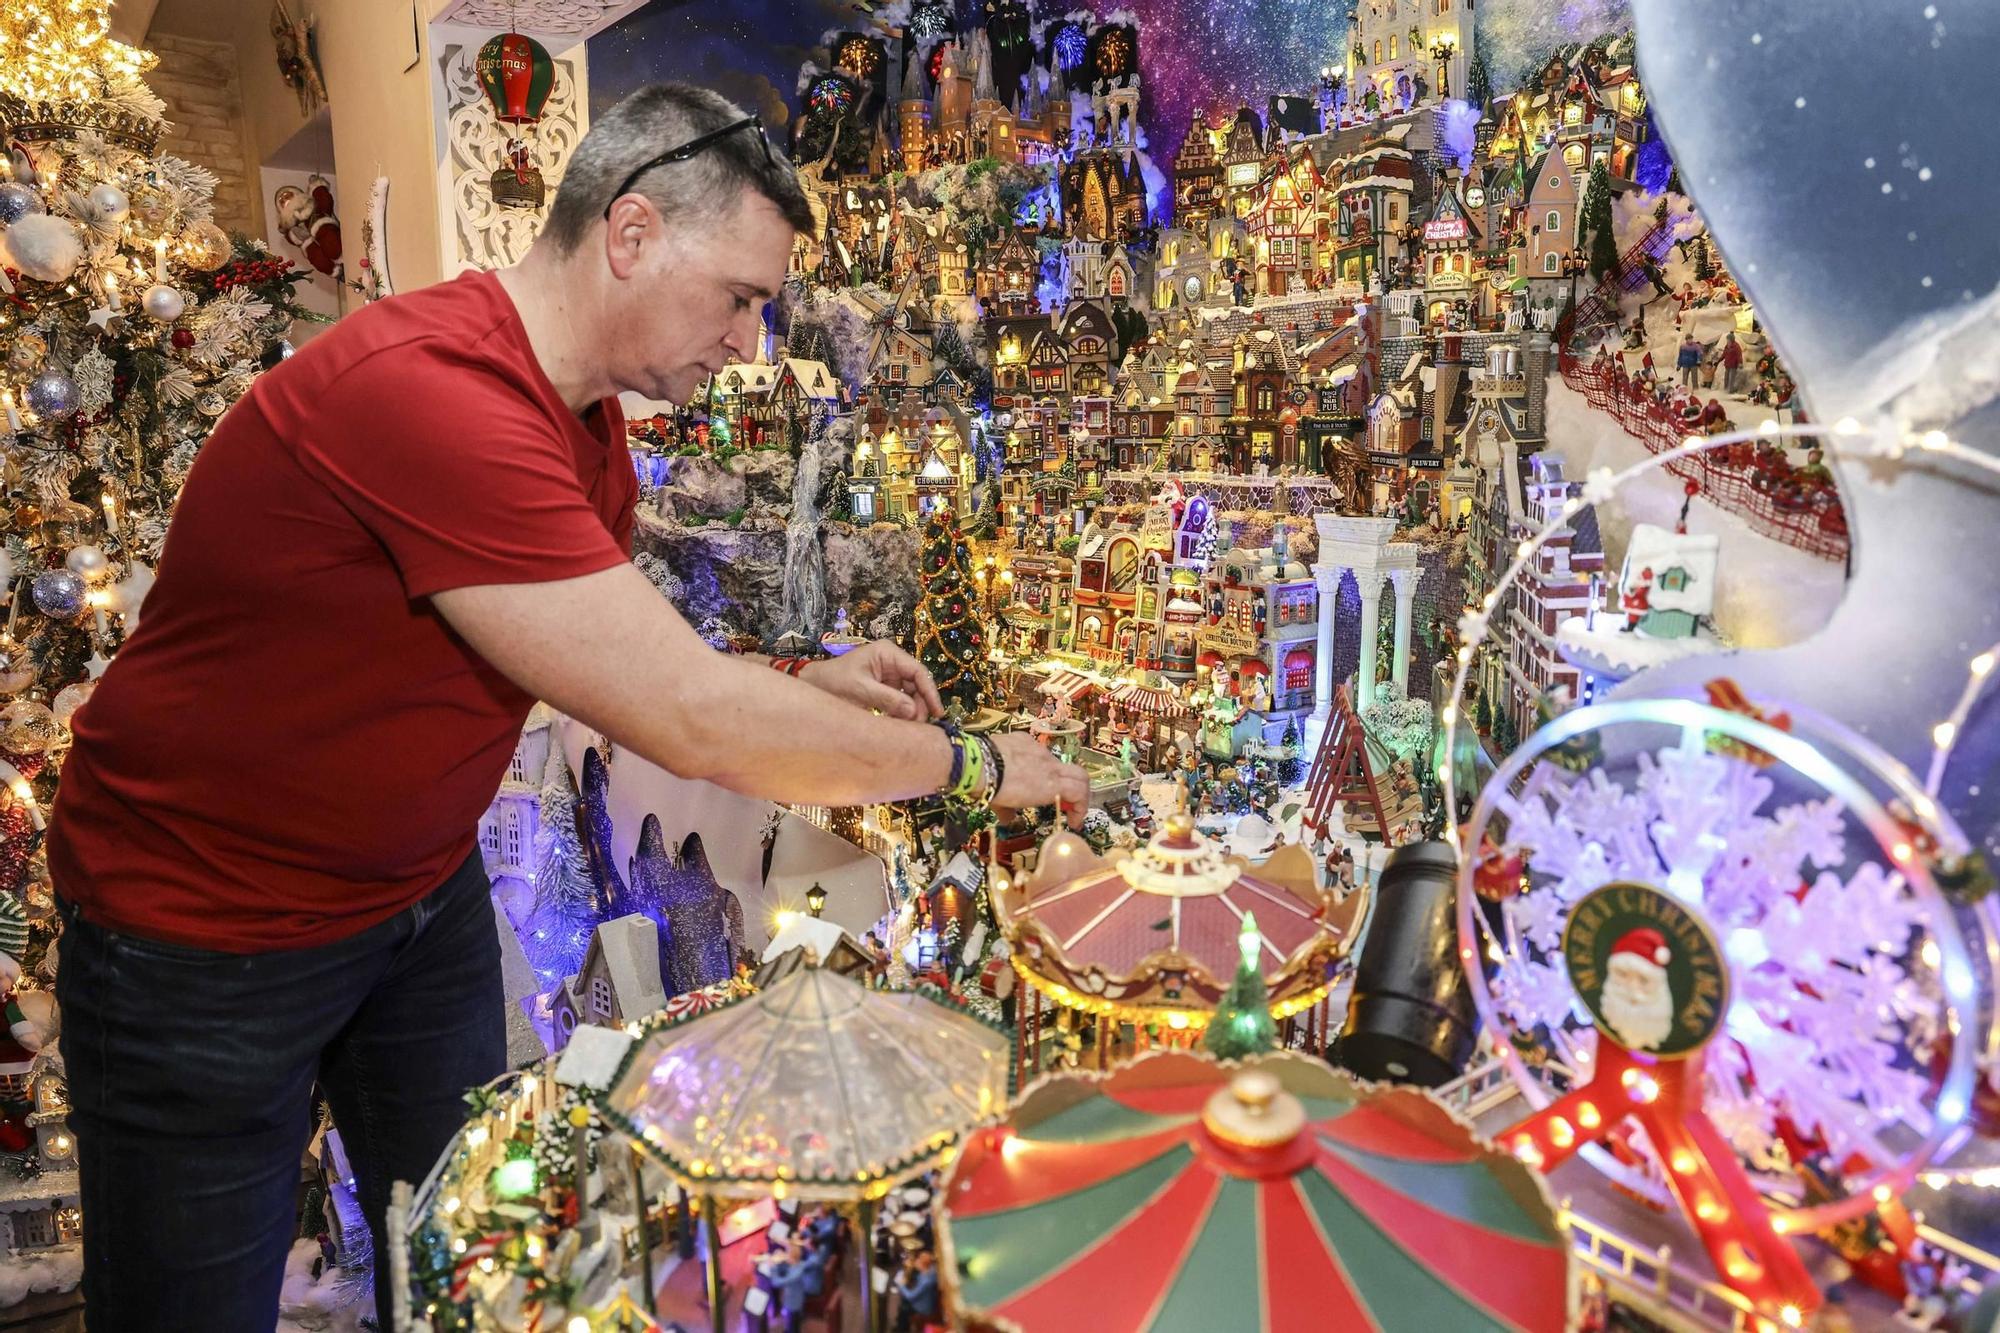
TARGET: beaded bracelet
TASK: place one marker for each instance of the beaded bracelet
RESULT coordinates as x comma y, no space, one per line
957,739
998,766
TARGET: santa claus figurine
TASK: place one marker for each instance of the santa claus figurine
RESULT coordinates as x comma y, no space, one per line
1636,600
1636,1003
306,218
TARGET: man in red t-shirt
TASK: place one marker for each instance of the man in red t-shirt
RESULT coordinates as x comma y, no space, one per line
396,542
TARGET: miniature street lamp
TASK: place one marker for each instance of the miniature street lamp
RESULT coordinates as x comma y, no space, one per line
1574,264
816,899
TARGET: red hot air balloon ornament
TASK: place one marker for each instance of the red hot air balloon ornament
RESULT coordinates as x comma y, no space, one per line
517,75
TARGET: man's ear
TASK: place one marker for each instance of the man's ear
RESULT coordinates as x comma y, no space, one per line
632,226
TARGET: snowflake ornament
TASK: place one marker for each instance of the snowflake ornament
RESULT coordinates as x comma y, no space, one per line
1598,486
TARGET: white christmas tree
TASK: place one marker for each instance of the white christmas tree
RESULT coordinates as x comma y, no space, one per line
1833,1003
556,934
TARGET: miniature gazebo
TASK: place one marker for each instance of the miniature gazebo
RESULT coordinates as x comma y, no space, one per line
817,1088
1150,937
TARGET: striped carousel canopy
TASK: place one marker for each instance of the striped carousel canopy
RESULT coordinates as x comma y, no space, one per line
1152,935
1176,1195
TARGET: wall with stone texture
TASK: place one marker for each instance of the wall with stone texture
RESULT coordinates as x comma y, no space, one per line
197,80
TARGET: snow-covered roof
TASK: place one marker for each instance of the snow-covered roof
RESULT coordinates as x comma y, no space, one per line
1657,550
630,947
747,377
804,932
813,377
961,870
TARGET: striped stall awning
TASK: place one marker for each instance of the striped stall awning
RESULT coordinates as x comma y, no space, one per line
1151,700
1068,685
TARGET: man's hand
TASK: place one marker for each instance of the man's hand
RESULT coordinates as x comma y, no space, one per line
879,676
1036,777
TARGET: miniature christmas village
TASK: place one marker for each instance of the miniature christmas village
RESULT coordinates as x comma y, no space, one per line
1309,484
1370,488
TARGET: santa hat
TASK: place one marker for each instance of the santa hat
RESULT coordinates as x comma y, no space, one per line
1645,943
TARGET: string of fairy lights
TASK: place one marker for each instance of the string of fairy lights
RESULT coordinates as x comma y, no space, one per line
1844,440
51,52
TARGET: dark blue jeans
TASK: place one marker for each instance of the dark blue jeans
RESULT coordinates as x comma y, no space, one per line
191,1077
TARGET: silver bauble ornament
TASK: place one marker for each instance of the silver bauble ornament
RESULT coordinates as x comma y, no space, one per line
53,396
58,593
28,728
164,303
87,561
17,201
109,203
211,404
70,698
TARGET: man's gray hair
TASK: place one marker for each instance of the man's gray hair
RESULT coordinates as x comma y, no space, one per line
650,122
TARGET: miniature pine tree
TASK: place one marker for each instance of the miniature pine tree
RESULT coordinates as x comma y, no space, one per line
950,640
1595,218
1478,79
1704,263
1291,768
556,932
1242,1025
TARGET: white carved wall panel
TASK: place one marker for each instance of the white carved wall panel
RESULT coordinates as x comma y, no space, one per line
573,20
478,233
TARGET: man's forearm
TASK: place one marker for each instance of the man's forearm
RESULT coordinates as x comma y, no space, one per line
755,731
606,649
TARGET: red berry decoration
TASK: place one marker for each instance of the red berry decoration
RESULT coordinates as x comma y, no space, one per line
183,338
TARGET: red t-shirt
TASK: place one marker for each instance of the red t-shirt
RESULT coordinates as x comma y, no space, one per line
294,745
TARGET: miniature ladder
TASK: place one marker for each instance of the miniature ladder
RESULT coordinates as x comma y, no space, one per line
1340,771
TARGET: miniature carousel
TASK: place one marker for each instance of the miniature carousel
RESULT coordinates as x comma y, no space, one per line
1150,939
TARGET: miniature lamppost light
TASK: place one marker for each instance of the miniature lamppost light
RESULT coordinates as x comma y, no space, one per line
816,899
1574,264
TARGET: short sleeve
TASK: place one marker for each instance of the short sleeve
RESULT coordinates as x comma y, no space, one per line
463,478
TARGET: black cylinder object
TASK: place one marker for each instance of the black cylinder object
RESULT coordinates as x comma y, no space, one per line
1410,1018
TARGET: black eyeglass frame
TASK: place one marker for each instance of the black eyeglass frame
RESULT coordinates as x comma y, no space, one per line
691,148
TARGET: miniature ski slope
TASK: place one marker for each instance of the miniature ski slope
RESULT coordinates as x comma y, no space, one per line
1767,593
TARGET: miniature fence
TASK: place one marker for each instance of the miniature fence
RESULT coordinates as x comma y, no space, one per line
1649,1277
1478,1090
1785,503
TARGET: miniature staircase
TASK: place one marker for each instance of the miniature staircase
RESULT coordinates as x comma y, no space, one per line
1600,306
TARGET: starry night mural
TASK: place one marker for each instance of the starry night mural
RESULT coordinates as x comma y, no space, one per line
1196,57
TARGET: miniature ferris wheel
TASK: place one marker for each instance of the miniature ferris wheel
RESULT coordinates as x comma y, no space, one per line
1843,1023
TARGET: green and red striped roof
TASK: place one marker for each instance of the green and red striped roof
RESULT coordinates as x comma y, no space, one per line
1109,1203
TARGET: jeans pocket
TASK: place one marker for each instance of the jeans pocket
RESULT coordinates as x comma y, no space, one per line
164,951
